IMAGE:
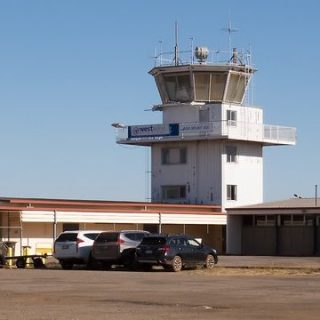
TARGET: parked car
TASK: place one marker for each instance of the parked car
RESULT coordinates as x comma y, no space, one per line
117,247
174,252
74,247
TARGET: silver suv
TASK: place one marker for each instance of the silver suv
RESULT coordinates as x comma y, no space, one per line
117,247
74,247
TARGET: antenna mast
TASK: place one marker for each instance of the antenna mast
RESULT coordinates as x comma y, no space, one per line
230,30
176,48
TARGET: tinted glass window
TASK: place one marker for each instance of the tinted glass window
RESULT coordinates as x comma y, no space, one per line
236,88
173,242
140,236
108,237
91,236
202,82
231,152
154,240
193,243
131,236
174,155
173,192
218,82
67,237
182,242
178,87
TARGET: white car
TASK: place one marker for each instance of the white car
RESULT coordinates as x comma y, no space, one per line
74,247
117,247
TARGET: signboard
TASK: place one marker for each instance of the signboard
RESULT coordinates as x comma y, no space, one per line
195,127
153,130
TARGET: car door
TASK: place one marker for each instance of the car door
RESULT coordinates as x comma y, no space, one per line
183,250
195,250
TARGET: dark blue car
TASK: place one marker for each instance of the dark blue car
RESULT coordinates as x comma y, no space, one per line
174,252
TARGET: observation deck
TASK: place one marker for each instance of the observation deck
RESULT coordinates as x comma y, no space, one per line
155,133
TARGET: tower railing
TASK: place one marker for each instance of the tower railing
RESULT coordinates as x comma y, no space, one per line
216,57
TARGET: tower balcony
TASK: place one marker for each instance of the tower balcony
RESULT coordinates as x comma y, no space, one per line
228,129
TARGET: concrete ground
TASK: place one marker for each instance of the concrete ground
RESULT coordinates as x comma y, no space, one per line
269,262
238,288
258,262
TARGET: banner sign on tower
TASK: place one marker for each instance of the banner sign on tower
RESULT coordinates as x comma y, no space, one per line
153,130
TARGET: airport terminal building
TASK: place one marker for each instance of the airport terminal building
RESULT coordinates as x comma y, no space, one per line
37,222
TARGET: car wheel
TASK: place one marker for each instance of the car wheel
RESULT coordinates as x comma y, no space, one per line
2,260
130,260
38,263
21,263
66,265
210,261
177,264
92,263
131,265
106,265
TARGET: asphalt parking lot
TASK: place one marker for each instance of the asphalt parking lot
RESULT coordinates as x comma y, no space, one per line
238,288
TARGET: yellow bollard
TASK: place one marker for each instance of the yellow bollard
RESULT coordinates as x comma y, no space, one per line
26,252
9,254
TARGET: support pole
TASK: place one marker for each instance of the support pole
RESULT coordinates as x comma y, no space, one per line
160,223
21,232
8,224
54,225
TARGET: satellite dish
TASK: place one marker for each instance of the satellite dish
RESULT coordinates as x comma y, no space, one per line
201,53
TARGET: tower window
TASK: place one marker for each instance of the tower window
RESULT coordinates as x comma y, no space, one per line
236,87
231,192
209,86
231,117
174,155
173,192
231,152
178,87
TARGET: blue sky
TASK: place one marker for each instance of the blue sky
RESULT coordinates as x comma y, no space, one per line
68,69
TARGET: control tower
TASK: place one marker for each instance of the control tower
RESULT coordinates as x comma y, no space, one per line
209,147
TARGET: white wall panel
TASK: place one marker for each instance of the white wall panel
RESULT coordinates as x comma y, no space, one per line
201,174
180,114
37,216
246,174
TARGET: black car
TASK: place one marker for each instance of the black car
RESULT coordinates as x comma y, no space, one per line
174,252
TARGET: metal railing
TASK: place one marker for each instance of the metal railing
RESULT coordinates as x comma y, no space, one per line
216,130
215,57
278,133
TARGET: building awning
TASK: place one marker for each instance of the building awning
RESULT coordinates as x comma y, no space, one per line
116,217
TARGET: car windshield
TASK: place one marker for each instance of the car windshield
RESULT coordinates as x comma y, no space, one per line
154,240
108,237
